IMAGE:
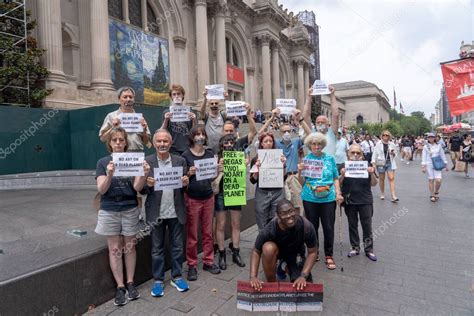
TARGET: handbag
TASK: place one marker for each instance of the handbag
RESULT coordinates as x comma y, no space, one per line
438,163
381,162
460,166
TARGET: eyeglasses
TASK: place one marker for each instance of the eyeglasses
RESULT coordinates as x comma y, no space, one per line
214,103
356,153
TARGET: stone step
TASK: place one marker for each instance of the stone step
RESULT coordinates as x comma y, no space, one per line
48,179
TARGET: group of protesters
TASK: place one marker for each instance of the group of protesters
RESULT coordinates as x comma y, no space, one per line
288,215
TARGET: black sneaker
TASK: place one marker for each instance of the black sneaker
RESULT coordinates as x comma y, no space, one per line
192,274
132,291
120,297
212,268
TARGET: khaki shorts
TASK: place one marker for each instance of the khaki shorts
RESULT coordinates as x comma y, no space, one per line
123,223
293,191
454,155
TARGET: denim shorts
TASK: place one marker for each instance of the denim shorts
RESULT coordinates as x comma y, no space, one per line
219,204
387,167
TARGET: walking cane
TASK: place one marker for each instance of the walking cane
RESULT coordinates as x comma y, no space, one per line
340,237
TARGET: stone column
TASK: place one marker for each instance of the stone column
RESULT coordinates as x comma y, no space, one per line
275,71
179,48
144,15
306,80
50,37
221,65
300,63
100,53
85,44
126,16
266,76
202,43
251,87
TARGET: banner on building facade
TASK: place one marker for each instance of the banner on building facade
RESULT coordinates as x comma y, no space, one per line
139,60
458,77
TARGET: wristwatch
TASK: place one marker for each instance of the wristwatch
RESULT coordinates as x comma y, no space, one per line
304,275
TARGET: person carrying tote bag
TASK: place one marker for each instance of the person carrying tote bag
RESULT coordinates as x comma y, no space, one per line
433,161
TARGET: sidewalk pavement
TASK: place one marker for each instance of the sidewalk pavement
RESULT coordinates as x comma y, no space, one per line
425,262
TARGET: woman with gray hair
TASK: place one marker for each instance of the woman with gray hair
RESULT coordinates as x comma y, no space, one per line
319,178
136,140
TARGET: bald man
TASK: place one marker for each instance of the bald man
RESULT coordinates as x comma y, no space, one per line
322,122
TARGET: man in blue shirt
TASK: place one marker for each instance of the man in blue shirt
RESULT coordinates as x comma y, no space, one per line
341,150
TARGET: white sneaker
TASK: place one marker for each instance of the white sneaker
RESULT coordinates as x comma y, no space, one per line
408,162
402,159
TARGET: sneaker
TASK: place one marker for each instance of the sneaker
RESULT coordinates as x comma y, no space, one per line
371,256
353,253
132,291
192,274
402,159
120,297
211,268
180,284
281,273
408,162
158,289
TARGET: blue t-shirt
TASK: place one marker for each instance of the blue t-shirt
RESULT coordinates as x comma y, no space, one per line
291,153
329,174
121,195
341,148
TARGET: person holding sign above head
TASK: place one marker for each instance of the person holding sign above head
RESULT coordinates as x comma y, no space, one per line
227,143
242,142
383,158
199,202
267,196
178,120
165,208
356,182
136,140
213,120
118,216
323,125
285,238
319,177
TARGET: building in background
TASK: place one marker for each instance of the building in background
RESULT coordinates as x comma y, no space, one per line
257,48
364,102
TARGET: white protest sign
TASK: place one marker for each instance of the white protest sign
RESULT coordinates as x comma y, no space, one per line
130,122
356,169
206,168
168,178
235,108
286,106
215,92
270,173
312,168
320,87
128,164
180,113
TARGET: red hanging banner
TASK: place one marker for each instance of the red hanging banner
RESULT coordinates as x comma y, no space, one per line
458,77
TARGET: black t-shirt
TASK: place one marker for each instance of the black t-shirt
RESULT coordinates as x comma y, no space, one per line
290,242
120,196
385,150
198,190
456,142
179,132
359,190
241,143
406,142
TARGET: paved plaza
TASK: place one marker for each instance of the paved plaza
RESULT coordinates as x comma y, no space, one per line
425,262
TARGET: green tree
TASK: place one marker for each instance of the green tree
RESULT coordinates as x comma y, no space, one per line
20,65
393,127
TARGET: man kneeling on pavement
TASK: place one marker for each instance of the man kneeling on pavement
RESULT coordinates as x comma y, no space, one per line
285,238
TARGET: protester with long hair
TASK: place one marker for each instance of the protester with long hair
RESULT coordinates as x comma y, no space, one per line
266,199
227,143
118,216
430,151
199,206
320,194
358,203
384,159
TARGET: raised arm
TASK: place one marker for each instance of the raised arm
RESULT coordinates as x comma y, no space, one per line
334,110
275,113
204,104
307,107
252,126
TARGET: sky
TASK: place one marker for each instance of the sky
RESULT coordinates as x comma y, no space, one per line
395,44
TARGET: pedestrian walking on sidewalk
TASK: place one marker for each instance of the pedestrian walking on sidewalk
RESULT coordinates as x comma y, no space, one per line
465,152
383,159
358,203
432,152
118,216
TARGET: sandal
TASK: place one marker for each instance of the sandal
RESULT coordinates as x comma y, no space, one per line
395,200
432,198
353,253
436,196
330,263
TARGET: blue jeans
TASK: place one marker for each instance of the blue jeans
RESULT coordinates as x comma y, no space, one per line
176,232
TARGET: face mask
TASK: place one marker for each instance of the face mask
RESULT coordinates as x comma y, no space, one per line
214,108
228,148
286,136
321,128
177,100
199,140
163,149
129,103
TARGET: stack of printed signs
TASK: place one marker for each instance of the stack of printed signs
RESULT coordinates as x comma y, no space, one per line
279,296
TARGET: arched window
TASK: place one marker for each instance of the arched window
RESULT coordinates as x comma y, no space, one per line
134,11
232,57
153,24
360,119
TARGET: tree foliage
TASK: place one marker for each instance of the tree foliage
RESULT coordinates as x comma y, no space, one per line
415,124
19,64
